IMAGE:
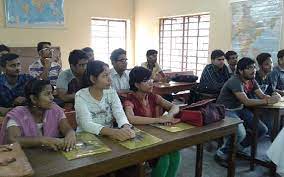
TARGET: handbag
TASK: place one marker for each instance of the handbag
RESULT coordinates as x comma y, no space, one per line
203,112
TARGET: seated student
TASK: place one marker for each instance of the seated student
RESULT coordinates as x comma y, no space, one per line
234,97
140,107
152,65
3,50
265,64
40,123
97,105
71,80
90,53
275,152
276,77
215,74
11,83
232,60
44,68
119,75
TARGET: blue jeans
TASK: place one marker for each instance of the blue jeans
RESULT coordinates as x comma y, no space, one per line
242,138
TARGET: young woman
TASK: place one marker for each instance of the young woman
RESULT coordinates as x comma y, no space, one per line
142,107
97,106
40,123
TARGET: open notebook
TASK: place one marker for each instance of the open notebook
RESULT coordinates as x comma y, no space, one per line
87,144
142,139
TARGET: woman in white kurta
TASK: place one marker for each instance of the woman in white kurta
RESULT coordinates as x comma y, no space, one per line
97,105
276,152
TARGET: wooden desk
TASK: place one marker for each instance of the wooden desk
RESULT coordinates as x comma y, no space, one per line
277,111
171,87
53,164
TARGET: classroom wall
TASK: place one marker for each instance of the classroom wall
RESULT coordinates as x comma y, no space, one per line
148,12
76,33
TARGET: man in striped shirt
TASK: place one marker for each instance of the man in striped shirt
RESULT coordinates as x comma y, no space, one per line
44,68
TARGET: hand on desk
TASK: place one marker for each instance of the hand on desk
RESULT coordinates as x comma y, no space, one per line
167,120
273,99
122,134
54,143
69,141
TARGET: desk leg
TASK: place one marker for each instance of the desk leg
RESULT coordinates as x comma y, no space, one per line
232,154
254,139
276,122
199,159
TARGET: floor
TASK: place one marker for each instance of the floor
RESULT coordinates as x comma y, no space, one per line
212,169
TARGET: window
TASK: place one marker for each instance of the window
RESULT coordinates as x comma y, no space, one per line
184,43
107,35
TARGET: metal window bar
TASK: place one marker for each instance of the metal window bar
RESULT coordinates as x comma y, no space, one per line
173,50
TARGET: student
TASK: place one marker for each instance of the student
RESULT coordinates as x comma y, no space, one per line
215,74
152,65
141,108
265,64
11,83
232,60
90,53
119,75
97,105
234,97
275,152
71,80
40,123
44,68
276,77
3,50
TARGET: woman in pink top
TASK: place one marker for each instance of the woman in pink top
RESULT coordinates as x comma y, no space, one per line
40,123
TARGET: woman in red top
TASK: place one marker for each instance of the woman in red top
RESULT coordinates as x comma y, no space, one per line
142,107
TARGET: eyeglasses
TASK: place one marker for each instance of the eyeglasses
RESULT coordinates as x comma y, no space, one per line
47,49
251,67
149,81
122,60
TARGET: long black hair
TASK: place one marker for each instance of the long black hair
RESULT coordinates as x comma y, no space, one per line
94,68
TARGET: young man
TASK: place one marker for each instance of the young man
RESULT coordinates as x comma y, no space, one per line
119,75
234,97
265,64
152,65
276,77
3,50
11,83
232,60
90,53
215,74
71,80
44,68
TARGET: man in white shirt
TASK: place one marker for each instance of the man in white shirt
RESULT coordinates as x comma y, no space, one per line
119,75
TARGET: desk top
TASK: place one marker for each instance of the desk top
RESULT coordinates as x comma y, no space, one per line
54,164
279,105
171,87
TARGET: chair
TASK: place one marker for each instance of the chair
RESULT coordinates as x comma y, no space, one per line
71,117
